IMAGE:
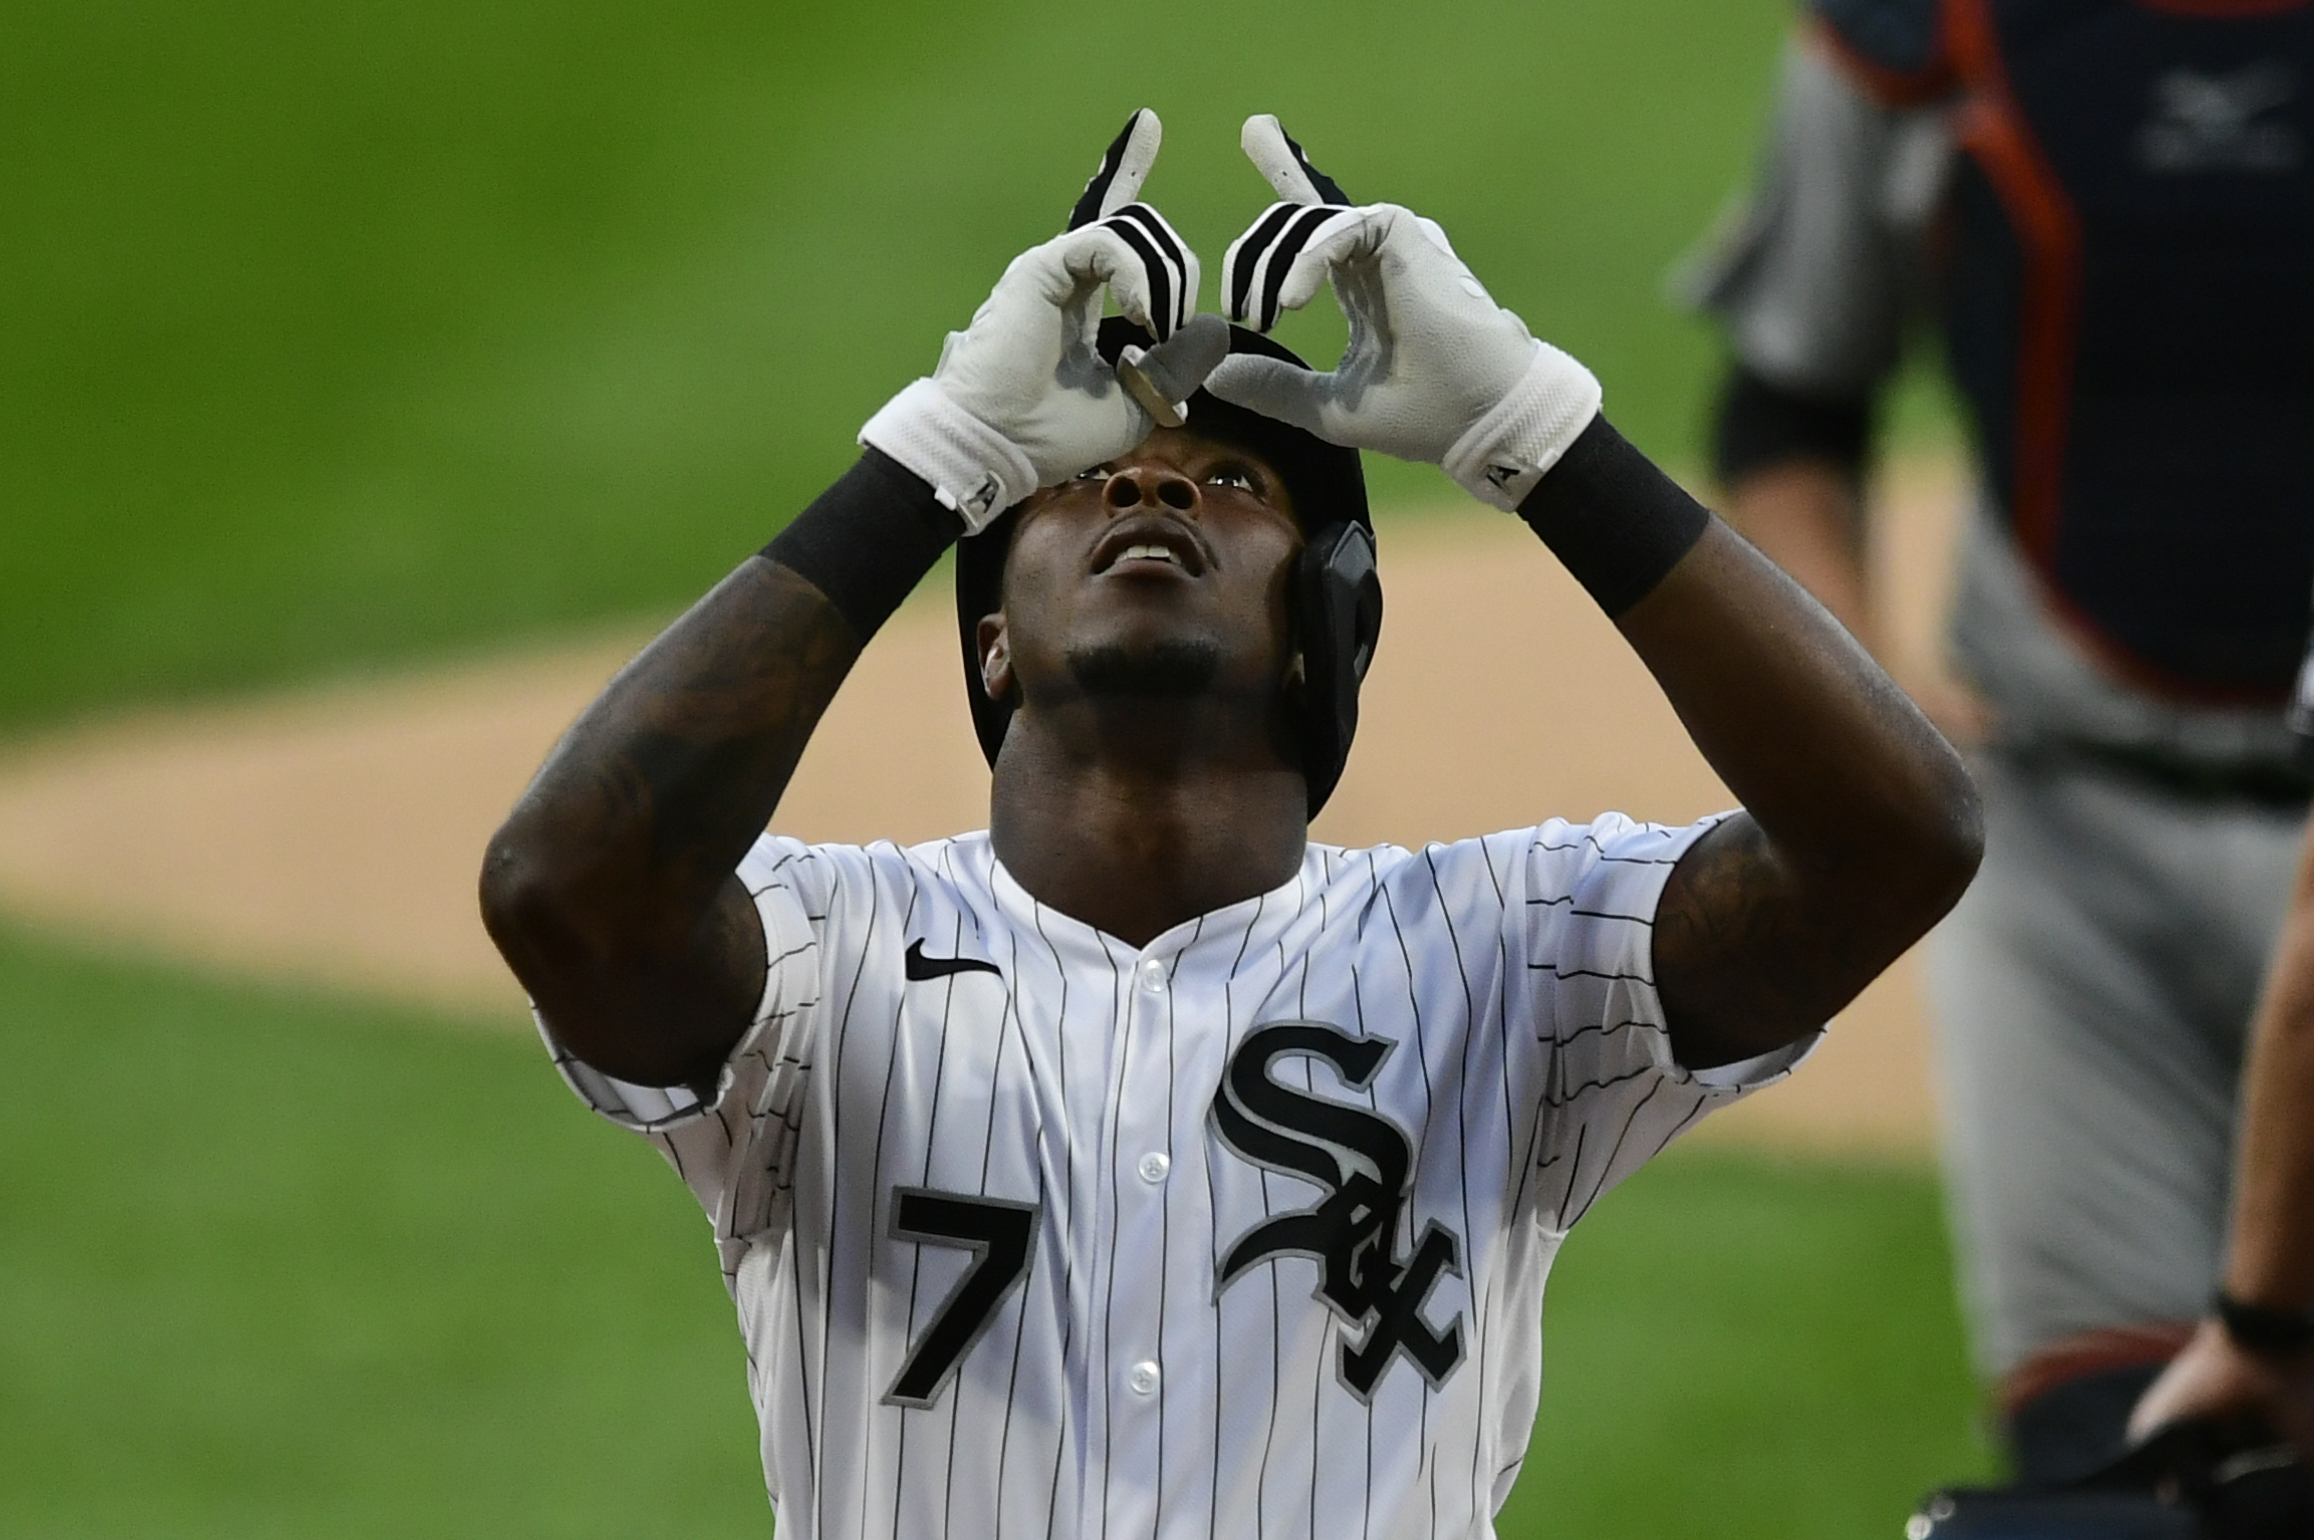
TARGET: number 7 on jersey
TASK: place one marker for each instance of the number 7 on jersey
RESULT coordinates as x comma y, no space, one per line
999,1234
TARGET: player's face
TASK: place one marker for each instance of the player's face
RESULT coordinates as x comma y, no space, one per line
1160,573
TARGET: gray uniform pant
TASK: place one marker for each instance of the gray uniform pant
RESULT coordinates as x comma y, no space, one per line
2092,994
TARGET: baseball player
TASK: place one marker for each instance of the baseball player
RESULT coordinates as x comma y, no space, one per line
1137,1167
2107,209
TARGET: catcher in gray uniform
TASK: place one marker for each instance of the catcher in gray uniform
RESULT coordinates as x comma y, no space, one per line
2108,210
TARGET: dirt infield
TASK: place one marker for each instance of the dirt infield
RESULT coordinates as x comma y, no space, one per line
333,836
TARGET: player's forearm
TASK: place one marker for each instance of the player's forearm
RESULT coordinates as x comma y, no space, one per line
610,888
1861,826
1831,759
645,807
2271,1259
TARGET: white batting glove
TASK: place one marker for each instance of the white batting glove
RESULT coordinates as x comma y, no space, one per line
1435,370
1021,398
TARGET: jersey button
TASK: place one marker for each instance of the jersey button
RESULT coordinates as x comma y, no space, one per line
1153,976
1154,1165
1144,1378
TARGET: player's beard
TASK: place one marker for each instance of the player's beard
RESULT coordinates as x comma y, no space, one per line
1174,669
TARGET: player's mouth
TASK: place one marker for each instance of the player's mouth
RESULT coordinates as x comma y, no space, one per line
1149,545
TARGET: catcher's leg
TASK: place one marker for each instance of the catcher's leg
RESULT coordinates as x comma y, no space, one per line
2091,995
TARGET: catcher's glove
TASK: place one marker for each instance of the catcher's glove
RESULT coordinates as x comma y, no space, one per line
2190,1481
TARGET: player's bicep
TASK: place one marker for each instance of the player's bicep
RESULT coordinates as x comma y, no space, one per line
1746,958
671,1018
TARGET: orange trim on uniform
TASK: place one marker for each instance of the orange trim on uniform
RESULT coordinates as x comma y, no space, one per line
1890,87
1991,129
2091,1352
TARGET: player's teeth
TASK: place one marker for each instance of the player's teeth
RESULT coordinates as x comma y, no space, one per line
1145,552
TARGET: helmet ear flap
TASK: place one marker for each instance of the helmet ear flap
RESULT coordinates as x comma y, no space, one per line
1338,614
980,592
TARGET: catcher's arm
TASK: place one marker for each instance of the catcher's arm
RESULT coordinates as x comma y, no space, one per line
1860,825
610,889
2270,1259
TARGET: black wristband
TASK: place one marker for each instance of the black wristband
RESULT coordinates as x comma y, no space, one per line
1759,423
866,541
1612,518
2262,1329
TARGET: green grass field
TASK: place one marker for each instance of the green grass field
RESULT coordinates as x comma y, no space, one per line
337,336
285,1265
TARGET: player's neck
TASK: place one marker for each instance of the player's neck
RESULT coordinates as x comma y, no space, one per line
1134,849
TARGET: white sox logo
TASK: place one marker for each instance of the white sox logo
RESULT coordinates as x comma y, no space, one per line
1367,1163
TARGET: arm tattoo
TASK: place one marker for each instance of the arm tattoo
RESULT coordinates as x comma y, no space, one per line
619,909
1744,961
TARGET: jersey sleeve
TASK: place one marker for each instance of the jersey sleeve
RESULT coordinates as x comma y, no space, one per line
1611,1095
1815,273
734,1145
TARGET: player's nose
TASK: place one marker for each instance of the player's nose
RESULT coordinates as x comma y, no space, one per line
1149,486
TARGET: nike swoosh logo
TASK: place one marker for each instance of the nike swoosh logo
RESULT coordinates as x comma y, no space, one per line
921,967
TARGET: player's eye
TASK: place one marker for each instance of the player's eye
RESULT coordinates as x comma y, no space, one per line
1094,473
1237,476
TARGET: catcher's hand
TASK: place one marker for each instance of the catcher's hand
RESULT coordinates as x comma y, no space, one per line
1435,370
1021,398
2217,1378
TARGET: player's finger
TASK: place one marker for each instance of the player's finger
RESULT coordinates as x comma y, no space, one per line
1171,371
1179,260
1275,155
1124,167
1150,270
1279,262
1276,389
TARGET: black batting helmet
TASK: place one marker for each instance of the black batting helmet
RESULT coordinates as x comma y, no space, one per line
1337,595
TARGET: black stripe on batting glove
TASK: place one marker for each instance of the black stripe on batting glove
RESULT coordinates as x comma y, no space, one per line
1281,259
1248,258
1329,190
1169,296
1159,279
1088,208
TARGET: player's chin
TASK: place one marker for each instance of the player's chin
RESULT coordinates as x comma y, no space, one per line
1148,668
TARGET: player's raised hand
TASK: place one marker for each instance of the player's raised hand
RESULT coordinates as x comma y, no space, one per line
1021,398
1434,371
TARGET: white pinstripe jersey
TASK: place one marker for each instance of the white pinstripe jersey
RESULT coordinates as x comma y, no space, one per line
1035,1233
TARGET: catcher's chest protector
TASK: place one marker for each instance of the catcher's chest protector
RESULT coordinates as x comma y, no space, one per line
2132,318
2129,305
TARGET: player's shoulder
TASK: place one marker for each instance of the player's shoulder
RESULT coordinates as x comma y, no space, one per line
1553,854
1895,49
1566,858
827,872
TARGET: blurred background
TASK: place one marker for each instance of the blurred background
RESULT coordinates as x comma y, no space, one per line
358,348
